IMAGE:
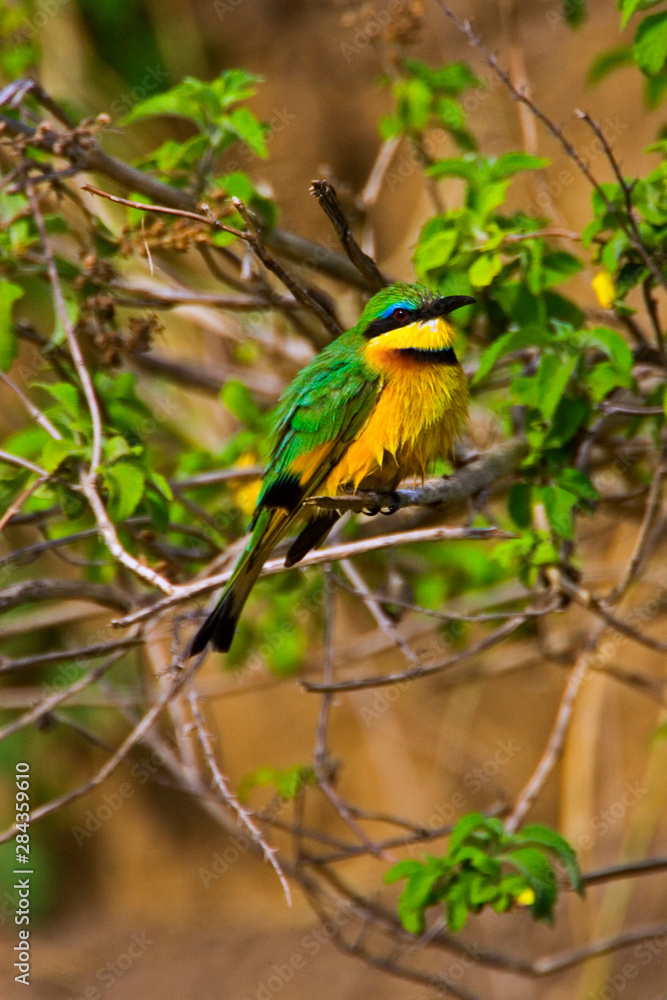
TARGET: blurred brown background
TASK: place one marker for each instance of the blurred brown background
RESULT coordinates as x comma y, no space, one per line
152,882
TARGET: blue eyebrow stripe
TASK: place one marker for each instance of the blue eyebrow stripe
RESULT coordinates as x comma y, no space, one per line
397,305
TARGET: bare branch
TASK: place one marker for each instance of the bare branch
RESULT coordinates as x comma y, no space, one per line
72,342
328,200
229,799
556,741
33,410
331,554
29,591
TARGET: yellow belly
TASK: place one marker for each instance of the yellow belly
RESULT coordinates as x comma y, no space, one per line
420,412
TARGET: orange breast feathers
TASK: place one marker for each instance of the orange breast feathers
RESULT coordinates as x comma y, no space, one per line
421,409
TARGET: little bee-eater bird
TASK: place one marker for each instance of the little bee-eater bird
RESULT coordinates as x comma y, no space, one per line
378,404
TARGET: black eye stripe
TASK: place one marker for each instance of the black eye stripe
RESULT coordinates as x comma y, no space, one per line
386,323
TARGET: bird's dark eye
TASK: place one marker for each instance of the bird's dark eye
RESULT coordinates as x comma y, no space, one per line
400,314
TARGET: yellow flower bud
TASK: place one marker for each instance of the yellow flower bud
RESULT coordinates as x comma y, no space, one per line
603,286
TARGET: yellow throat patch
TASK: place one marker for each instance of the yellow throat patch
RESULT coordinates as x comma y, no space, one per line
421,408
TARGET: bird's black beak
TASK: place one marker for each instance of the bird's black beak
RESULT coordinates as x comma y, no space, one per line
449,303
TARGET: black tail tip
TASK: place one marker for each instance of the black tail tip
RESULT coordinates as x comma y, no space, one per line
218,630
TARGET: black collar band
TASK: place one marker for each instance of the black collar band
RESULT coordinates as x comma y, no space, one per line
434,356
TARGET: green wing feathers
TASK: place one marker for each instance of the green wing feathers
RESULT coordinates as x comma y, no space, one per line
319,414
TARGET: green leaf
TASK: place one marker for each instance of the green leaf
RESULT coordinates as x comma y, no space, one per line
115,448
603,378
553,376
9,293
463,828
577,482
613,345
125,483
575,12
606,62
161,484
288,782
511,163
558,504
558,265
237,398
569,416
435,251
403,869
546,837
528,337
519,504
628,8
56,451
450,113
451,79
650,45
65,393
484,270
249,130
456,910
654,90
541,878
457,166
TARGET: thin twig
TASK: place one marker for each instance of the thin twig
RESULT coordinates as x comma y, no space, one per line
653,504
322,758
33,410
23,463
329,202
228,797
77,653
21,498
652,310
72,342
112,542
47,704
315,558
554,747
303,295
382,619
417,673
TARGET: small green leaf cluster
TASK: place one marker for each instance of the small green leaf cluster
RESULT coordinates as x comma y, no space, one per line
288,782
475,248
216,111
485,866
616,226
425,97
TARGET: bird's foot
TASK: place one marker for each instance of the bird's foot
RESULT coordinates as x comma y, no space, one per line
390,501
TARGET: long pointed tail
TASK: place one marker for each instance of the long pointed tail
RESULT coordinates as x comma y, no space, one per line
220,626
